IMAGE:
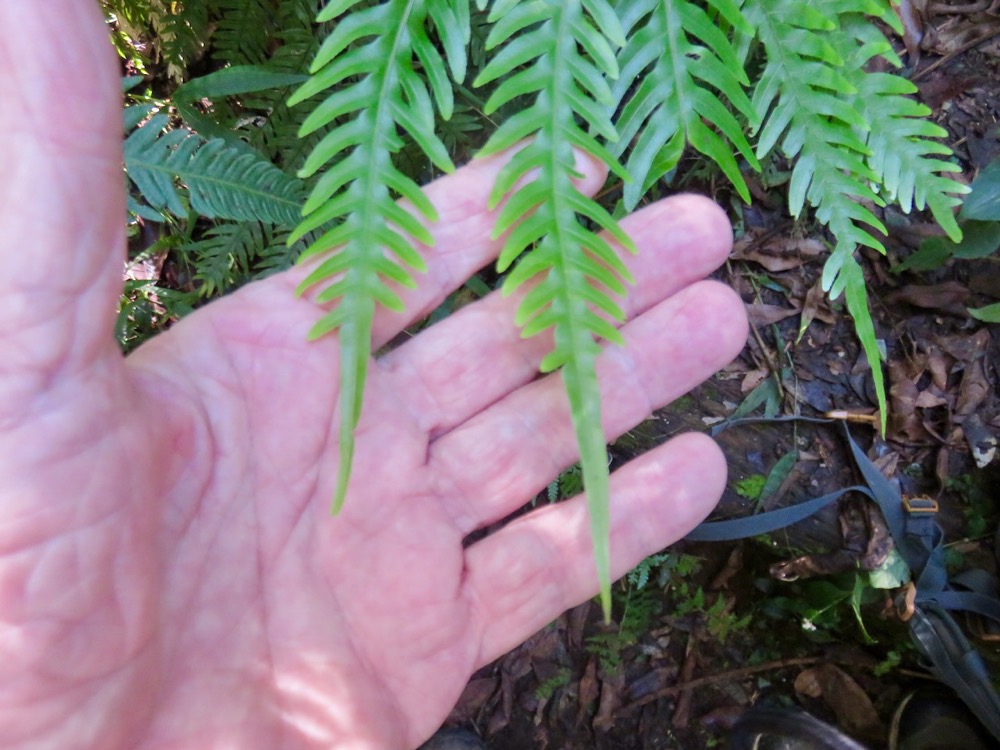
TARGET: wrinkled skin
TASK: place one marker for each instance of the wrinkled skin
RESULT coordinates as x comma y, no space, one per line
170,574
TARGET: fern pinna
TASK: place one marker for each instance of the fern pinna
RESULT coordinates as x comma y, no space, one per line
375,49
674,60
561,59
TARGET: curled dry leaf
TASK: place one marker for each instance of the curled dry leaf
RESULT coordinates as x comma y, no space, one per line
974,389
949,297
780,253
764,315
851,705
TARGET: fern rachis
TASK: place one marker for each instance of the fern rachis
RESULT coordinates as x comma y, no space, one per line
568,63
373,242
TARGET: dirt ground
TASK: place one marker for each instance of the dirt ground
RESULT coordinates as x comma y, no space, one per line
712,631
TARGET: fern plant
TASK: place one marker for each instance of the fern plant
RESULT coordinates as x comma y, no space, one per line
634,83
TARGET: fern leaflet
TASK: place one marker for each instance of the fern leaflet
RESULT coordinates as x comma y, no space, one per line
222,181
904,144
674,57
569,48
372,243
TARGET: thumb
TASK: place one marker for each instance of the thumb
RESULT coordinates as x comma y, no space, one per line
61,197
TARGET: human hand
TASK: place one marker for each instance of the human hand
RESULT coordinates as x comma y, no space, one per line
170,575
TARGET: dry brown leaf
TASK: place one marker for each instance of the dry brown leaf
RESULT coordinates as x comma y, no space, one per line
851,705
948,297
816,307
764,315
474,697
904,422
611,690
588,690
752,379
953,38
974,389
929,399
780,253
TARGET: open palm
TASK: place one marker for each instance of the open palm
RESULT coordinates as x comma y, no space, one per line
170,575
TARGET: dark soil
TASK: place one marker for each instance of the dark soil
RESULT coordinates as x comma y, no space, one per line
691,650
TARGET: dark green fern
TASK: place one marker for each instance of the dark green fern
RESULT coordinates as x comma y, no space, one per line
244,31
171,166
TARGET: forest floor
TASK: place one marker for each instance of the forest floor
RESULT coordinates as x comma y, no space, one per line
711,630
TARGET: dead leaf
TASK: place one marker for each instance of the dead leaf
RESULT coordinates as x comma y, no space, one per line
145,267
682,711
948,297
780,253
734,564
611,690
816,307
974,388
904,422
929,400
752,379
588,690
851,705
941,466
764,315
474,698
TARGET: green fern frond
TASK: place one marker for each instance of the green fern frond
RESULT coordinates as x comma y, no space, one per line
181,31
244,30
221,181
367,67
225,255
906,151
674,67
807,106
296,42
563,58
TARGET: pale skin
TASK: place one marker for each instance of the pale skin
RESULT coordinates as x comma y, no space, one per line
170,573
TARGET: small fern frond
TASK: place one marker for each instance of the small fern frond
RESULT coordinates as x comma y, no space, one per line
225,255
563,58
674,67
221,181
367,67
243,31
906,151
182,30
808,98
